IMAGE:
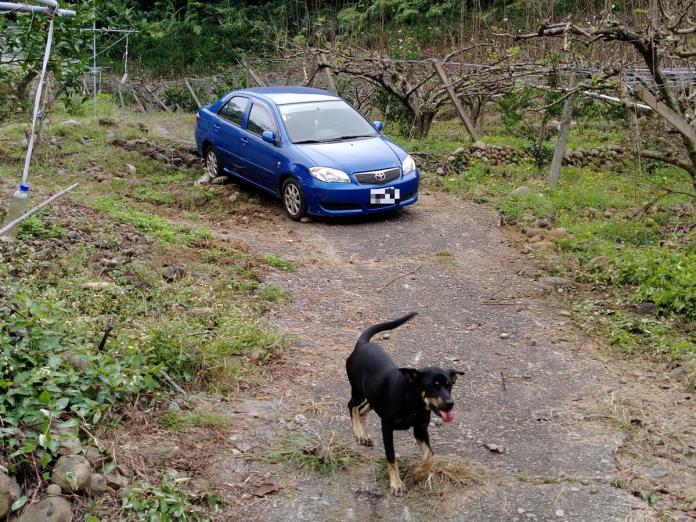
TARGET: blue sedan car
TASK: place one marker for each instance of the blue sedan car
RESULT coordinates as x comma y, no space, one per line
309,148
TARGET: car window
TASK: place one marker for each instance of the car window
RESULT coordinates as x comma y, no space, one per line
260,120
324,122
233,110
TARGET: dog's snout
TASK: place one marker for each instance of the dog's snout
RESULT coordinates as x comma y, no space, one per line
449,404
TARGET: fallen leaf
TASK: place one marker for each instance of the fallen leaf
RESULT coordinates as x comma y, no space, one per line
266,488
494,448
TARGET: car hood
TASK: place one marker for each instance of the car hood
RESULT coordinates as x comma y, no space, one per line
352,156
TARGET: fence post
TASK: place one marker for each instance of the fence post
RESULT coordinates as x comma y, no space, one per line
457,105
159,102
137,98
566,117
668,114
259,81
193,93
329,75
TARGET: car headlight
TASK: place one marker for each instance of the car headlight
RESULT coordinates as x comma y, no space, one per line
408,165
329,175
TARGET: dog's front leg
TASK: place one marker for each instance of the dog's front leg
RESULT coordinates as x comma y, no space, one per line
395,484
423,440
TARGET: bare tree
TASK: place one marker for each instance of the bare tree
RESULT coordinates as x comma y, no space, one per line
662,36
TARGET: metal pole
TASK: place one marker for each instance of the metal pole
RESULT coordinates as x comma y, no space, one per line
34,210
12,7
94,58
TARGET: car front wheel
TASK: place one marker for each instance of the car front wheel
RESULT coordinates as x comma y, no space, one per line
293,199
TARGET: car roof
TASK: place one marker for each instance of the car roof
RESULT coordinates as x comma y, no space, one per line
285,95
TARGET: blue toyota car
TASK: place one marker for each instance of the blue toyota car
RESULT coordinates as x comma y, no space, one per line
308,147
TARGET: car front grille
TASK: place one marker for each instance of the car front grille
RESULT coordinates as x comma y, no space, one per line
378,177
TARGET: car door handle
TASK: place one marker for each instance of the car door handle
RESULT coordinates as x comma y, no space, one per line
244,140
216,126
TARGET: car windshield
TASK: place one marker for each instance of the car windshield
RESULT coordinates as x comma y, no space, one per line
323,122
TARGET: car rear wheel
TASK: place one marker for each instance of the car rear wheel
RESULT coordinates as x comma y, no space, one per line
212,163
293,199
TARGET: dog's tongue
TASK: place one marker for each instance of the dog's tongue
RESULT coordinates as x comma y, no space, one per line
447,416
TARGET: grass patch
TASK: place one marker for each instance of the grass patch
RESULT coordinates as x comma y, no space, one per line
279,262
446,475
313,453
154,225
273,294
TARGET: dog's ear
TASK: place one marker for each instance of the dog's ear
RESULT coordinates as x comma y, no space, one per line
453,375
411,374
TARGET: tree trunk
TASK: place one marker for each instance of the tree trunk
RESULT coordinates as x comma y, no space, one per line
422,123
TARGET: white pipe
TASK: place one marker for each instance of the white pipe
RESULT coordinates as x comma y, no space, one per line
606,97
11,7
37,102
34,210
49,3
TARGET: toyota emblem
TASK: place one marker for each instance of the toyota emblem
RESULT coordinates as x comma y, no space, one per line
379,176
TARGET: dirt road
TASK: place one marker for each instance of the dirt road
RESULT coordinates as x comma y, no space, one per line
531,387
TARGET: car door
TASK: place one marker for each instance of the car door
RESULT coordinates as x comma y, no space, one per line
228,133
262,159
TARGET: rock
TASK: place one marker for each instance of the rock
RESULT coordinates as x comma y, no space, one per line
459,151
94,456
521,191
495,448
504,335
70,446
545,246
647,308
300,419
53,489
553,281
75,466
542,223
305,219
9,492
107,122
97,485
173,407
386,336
558,233
162,453
679,373
480,145
199,485
115,481
221,180
535,239
440,171
49,509
72,123
131,169
172,273
598,263
202,311
233,197
560,513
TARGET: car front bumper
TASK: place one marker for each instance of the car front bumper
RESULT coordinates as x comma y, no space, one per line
345,199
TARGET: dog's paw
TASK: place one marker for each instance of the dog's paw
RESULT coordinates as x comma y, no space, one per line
423,475
365,441
398,490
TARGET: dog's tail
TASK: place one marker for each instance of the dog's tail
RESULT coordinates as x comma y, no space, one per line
389,325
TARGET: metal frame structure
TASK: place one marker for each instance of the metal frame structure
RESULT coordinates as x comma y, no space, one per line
49,7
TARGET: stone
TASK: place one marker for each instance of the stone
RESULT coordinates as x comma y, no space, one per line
558,233
300,419
97,485
542,223
49,509
521,191
131,169
535,239
451,159
115,481
72,123
560,513
647,308
172,273
440,171
459,151
480,145
598,263
107,122
9,492
679,373
173,407
545,246
554,281
221,180
75,466
233,197
162,453
70,446
202,311
53,489
199,485
305,219
504,335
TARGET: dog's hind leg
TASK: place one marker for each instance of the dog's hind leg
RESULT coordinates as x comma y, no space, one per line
395,485
423,441
358,413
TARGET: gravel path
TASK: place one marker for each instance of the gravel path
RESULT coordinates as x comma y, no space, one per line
530,386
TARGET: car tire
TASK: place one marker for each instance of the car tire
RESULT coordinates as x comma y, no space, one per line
293,199
212,163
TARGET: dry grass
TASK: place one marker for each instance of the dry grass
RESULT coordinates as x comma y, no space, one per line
454,473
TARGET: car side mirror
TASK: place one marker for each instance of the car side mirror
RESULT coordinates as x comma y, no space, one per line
378,125
269,137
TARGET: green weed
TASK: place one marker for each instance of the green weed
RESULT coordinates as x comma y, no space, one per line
273,294
202,419
313,453
279,262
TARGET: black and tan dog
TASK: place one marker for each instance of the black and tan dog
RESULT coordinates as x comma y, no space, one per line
402,397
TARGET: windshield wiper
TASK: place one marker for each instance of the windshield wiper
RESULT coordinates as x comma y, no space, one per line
352,137
307,141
